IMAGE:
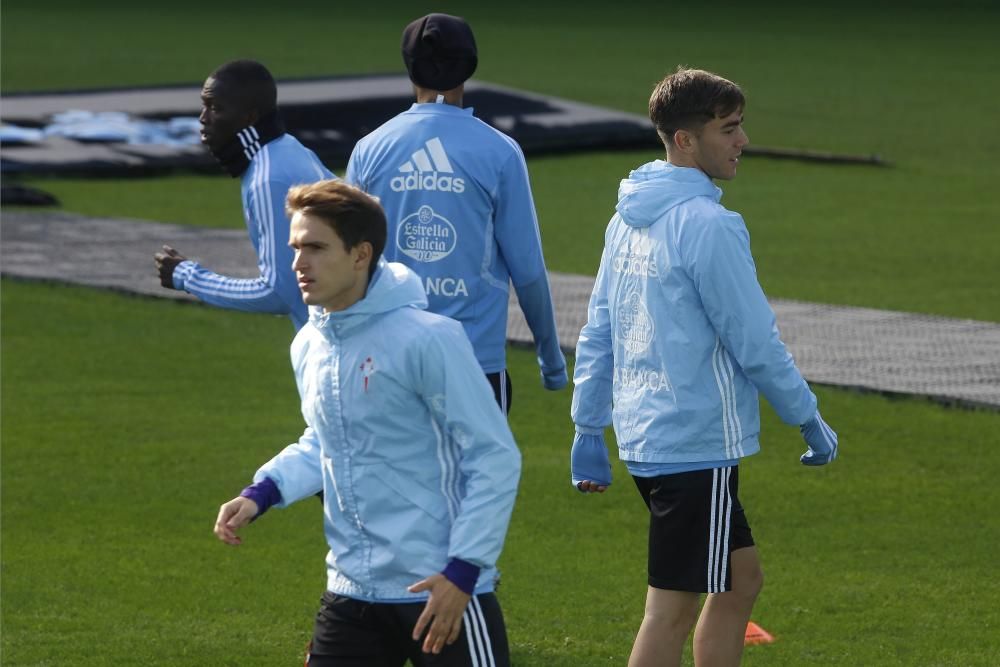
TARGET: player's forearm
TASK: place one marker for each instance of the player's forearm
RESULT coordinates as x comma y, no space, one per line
536,304
749,332
592,379
463,574
776,376
480,529
295,470
265,493
491,470
247,294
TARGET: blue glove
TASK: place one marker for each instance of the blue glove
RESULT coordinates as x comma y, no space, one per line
553,380
589,458
822,442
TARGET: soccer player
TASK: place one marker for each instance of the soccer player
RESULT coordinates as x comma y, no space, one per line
678,341
417,465
459,205
242,128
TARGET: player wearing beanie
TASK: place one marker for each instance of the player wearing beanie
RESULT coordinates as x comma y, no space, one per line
459,205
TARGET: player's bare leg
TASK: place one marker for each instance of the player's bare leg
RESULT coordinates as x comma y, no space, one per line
718,639
668,620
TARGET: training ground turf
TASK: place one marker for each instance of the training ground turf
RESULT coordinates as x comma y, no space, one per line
127,421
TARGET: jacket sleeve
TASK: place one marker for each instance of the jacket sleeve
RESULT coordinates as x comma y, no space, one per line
593,373
724,274
296,469
515,228
489,464
275,289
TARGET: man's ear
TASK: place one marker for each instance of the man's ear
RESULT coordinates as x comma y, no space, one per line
363,256
685,140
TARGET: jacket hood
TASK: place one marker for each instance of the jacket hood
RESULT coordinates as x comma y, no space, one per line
656,187
392,287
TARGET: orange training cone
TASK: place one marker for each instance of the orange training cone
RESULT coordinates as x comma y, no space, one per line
756,635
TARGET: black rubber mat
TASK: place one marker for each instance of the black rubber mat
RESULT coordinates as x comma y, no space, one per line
328,115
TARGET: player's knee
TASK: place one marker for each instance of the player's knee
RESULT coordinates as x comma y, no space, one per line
750,582
674,621
675,627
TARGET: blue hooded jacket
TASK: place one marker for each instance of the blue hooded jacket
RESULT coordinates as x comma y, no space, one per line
415,460
679,334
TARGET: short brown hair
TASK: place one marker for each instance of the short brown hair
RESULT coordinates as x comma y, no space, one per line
355,216
689,98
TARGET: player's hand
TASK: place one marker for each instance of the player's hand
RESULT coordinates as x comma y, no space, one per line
166,261
232,516
822,442
554,380
443,612
589,465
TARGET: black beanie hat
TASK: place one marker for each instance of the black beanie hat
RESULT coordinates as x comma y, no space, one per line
439,51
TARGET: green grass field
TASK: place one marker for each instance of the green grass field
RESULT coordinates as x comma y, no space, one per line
127,421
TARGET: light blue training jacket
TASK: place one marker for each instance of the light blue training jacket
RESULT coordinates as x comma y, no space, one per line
460,213
415,460
679,334
274,168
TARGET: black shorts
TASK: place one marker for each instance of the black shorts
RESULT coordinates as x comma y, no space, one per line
695,522
503,390
352,633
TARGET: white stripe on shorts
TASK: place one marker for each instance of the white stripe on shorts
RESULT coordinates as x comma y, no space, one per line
718,533
503,391
477,635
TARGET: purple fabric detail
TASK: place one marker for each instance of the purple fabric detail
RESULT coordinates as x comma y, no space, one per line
462,574
265,493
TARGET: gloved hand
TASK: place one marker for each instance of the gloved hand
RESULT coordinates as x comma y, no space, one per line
553,380
822,442
589,459
166,261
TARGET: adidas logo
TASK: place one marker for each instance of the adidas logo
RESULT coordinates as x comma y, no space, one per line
428,169
250,140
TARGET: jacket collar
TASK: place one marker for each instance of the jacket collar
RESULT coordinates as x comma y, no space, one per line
237,154
436,108
393,286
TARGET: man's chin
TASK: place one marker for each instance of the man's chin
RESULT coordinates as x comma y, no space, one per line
210,144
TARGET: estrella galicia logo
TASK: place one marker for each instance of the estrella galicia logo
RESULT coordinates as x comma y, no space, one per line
426,236
635,326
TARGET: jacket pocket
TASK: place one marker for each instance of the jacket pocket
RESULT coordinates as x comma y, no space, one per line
412,492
